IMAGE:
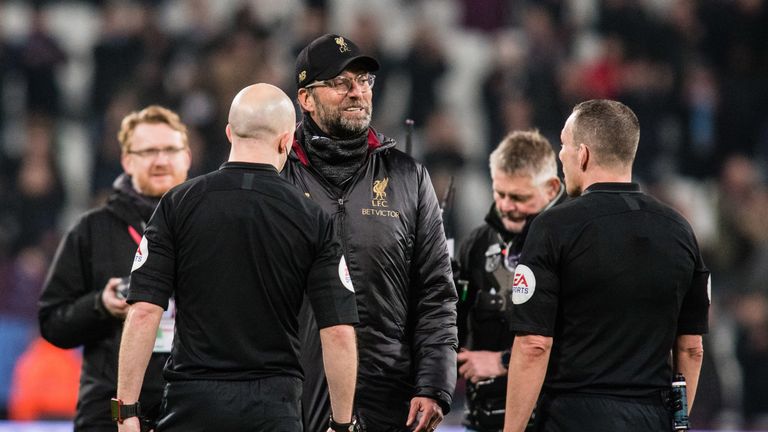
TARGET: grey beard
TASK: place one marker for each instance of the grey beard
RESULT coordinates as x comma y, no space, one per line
340,127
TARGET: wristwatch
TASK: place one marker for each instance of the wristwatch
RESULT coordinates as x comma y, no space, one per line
343,427
121,411
505,355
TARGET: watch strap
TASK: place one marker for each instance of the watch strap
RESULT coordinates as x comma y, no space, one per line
505,355
343,427
121,411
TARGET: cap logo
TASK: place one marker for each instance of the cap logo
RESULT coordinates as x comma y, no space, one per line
302,76
343,47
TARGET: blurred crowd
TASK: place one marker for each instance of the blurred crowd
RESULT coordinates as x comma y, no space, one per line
465,71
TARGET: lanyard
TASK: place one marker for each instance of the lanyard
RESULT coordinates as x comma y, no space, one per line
134,235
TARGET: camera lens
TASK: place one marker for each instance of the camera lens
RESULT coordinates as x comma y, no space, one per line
122,288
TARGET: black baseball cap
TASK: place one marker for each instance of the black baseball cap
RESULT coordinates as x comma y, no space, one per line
327,56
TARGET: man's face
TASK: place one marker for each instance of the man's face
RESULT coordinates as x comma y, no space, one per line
342,115
517,196
569,156
157,159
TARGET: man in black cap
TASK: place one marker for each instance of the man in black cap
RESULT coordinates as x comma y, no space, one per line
390,226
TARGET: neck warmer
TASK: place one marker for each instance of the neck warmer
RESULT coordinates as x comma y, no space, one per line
336,159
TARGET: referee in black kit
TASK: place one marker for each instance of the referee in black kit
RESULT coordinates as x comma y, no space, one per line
608,283
238,248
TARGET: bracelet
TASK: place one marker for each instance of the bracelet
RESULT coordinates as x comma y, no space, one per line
342,427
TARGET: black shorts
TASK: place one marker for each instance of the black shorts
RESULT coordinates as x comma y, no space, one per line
574,412
267,404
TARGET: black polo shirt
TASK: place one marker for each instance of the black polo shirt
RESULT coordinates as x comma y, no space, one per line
613,276
238,248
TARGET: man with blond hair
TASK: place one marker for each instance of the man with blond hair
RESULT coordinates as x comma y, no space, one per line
525,183
83,301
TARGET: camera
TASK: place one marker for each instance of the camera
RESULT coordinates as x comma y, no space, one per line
122,288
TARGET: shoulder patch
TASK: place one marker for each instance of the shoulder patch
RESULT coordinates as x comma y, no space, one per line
524,284
344,275
142,253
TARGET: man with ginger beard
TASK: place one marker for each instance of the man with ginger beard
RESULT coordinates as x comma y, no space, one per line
389,223
83,301
525,183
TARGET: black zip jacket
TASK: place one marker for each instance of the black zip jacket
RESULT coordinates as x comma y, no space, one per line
482,321
391,230
71,314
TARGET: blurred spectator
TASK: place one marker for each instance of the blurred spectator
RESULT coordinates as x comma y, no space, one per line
485,15
118,52
45,383
444,160
425,65
39,58
367,35
39,194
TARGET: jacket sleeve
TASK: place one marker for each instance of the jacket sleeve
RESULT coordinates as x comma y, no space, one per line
434,299
70,309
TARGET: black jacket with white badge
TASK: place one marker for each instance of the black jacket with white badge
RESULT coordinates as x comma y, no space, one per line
391,230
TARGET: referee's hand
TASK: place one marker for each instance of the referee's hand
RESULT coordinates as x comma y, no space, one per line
130,425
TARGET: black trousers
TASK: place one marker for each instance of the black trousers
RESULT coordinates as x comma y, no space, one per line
267,404
574,412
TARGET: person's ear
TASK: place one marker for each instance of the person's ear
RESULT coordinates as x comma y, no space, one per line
284,142
553,187
228,130
584,156
306,101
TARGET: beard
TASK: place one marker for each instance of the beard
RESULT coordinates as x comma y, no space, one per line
333,121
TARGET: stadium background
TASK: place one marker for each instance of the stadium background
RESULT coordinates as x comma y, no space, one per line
466,71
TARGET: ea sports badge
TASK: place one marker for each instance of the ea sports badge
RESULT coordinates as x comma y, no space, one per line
524,284
344,276
142,253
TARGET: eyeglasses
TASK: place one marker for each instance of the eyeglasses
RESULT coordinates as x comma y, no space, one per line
152,153
342,85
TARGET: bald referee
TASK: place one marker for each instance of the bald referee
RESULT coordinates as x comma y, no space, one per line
238,248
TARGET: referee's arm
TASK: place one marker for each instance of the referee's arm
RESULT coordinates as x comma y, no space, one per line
139,332
688,356
527,368
340,362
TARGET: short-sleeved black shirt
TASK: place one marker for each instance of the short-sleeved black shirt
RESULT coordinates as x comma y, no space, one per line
613,276
238,248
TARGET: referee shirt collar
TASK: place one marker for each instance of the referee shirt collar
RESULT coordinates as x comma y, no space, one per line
248,166
612,187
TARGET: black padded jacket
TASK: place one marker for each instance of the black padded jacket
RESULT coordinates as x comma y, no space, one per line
100,246
390,225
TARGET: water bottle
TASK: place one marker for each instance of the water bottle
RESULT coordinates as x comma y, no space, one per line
679,404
